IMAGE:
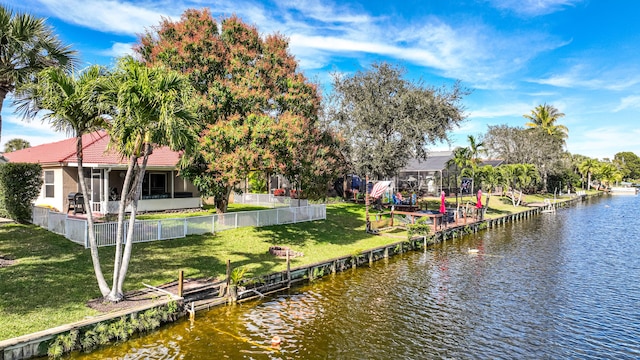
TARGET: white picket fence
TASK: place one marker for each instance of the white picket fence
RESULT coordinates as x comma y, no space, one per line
268,200
76,230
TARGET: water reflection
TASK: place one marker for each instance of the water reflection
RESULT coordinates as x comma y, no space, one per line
561,285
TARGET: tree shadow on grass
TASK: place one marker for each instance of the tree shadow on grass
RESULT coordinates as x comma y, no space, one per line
344,225
51,273
498,213
258,264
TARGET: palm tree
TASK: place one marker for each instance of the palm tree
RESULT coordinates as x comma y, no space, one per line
16,144
608,174
461,159
545,117
575,160
586,168
27,45
507,178
71,105
475,150
153,108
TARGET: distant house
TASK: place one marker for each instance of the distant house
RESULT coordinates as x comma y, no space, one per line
492,162
104,170
428,176
432,175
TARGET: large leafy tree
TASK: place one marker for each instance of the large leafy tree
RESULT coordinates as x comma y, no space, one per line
628,162
71,104
517,145
152,107
248,87
27,46
16,144
387,119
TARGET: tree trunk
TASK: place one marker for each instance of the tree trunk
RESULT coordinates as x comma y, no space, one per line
223,201
268,182
113,295
132,219
102,283
344,188
3,95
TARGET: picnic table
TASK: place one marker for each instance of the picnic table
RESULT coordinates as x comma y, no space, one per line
436,217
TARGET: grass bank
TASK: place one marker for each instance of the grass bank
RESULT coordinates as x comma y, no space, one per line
52,278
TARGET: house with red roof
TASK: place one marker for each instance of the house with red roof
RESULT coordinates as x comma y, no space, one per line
105,170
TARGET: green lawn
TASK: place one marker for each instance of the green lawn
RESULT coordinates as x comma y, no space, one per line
53,277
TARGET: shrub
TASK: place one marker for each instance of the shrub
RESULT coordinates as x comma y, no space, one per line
278,192
119,329
420,228
20,184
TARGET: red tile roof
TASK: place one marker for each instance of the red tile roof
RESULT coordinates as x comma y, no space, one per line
95,152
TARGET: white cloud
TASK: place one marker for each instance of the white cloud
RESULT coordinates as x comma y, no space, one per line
585,77
119,50
474,53
35,132
629,102
533,7
467,49
113,16
323,12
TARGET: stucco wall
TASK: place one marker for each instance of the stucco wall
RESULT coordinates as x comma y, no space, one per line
183,185
58,200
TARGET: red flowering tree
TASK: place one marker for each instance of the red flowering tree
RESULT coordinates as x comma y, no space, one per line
257,111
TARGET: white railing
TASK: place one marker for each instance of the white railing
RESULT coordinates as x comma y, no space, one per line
268,200
76,230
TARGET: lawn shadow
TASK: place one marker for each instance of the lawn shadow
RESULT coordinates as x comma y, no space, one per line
258,264
344,225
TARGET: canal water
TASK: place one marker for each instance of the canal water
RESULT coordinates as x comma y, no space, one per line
558,286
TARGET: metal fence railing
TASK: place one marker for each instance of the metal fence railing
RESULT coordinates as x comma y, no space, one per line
268,200
76,229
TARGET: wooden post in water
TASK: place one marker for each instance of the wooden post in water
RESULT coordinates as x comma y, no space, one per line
228,275
180,282
288,270
370,258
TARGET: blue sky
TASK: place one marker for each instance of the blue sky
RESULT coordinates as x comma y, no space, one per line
582,56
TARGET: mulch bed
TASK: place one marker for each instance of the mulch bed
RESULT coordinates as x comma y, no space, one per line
281,252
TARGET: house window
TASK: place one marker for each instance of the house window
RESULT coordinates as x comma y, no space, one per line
154,186
158,183
48,184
